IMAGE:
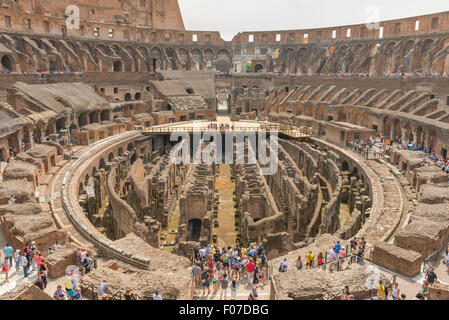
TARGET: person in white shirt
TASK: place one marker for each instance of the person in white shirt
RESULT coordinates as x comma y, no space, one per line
157,296
57,246
102,289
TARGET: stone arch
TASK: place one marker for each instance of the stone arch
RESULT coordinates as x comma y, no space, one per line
258,68
197,59
117,66
420,135
355,116
408,134
102,164
93,117
344,166
342,115
127,96
105,115
184,59
427,44
60,124
208,58
111,157
223,66
137,96
302,61
432,139
8,63
156,62
83,120
364,120
397,132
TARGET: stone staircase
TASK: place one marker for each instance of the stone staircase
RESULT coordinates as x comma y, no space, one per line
3,96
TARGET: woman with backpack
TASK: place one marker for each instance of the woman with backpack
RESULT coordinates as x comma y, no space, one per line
5,268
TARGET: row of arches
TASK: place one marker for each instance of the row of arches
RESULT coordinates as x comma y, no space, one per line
425,55
42,54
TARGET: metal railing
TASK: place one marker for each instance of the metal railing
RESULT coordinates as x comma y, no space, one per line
289,130
430,261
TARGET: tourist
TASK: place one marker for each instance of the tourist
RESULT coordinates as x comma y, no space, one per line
250,270
431,277
299,263
205,276
224,282
382,291
320,259
130,294
262,277
87,263
25,265
243,267
77,295
253,295
419,296
17,258
26,250
309,259
12,201
234,286
102,289
57,246
196,270
33,256
256,274
215,280
58,293
346,293
5,268
395,292
75,280
283,266
8,251
43,276
157,296
50,251
40,282
43,267
69,286
425,290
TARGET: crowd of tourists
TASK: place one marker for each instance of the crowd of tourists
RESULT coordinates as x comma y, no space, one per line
41,73
334,258
379,149
28,259
227,268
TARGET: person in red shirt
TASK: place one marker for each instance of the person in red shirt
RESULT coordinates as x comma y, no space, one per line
39,260
250,269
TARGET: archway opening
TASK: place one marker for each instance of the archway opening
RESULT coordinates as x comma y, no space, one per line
258,68
117,66
194,230
7,64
